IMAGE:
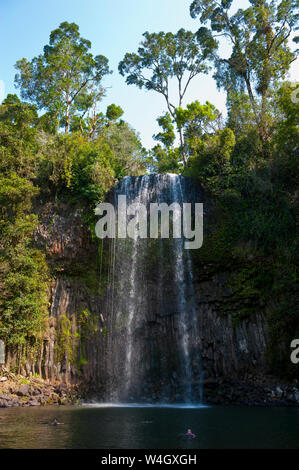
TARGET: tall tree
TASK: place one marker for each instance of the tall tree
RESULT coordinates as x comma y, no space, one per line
66,78
23,270
260,55
165,56
195,122
92,124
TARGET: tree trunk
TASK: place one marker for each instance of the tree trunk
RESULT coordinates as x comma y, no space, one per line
262,127
67,115
182,142
252,99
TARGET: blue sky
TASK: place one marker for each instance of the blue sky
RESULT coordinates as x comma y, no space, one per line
114,27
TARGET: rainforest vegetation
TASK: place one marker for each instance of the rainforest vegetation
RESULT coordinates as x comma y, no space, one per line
57,143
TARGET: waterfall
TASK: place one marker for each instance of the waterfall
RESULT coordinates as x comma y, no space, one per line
153,347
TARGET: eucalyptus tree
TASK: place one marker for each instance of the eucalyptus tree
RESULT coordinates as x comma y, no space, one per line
260,53
92,125
162,57
66,79
195,121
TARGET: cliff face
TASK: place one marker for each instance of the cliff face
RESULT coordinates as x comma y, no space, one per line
72,346
78,343
229,348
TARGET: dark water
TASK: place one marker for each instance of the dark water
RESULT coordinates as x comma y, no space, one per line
148,427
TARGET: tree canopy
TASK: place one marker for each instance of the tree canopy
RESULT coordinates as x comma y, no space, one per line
66,79
166,56
260,51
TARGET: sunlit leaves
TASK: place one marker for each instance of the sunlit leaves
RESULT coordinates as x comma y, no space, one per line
66,78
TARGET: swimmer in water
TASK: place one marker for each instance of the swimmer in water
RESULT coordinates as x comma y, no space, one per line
55,422
189,433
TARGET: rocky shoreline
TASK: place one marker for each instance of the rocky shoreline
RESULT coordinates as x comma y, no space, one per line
250,392
17,390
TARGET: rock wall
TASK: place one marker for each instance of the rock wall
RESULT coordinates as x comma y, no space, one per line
229,348
79,328
72,348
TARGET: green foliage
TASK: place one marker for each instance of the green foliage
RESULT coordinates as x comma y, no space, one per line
79,166
164,160
167,137
192,123
161,58
94,123
88,323
66,78
114,112
254,236
240,115
18,148
23,270
23,307
211,162
260,55
66,339
126,152
286,131
71,165
165,55
196,121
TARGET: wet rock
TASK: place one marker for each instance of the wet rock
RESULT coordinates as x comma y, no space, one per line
34,402
63,401
61,389
15,402
4,397
23,390
279,392
210,381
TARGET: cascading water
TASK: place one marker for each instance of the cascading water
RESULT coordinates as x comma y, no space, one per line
153,350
